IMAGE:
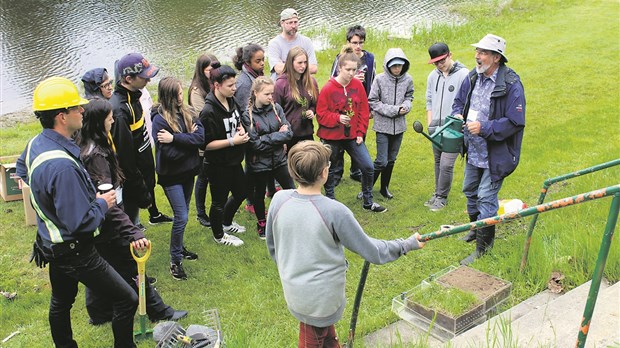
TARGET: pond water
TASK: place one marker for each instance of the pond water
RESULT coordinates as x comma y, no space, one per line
56,37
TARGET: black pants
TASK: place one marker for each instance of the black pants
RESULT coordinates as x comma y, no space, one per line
90,269
225,180
261,180
119,257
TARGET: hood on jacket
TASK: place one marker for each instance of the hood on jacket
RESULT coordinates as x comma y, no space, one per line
212,100
92,79
455,67
395,53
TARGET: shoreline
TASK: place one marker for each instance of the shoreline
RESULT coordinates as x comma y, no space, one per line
10,119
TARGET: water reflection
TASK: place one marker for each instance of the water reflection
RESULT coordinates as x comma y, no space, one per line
54,37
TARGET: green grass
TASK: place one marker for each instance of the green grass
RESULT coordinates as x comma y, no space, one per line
566,54
447,300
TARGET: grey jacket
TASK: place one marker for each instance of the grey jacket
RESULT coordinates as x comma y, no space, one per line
441,91
244,87
389,93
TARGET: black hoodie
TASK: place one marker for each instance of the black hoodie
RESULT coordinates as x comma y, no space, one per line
219,124
133,147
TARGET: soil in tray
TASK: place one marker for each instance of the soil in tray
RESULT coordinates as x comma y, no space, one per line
468,279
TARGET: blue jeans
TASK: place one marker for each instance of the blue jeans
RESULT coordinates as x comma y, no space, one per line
88,268
388,146
359,154
481,193
179,196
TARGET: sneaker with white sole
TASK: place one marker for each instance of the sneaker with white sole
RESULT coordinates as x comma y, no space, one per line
160,219
438,204
177,271
375,208
227,239
233,228
430,201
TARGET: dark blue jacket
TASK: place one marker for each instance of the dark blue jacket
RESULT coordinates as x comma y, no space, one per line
179,160
504,129
63,193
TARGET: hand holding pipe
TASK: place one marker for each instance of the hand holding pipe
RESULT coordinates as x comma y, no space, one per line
535,210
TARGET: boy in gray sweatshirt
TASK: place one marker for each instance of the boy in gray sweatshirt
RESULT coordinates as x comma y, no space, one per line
442,85
310,255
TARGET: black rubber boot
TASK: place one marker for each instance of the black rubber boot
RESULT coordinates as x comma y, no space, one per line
485,239
386,176
471,236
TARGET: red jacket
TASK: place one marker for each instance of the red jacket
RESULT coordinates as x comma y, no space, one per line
334,101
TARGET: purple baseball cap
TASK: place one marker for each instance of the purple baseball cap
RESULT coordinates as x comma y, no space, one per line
136,64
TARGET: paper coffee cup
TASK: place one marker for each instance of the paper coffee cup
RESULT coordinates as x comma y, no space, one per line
104,188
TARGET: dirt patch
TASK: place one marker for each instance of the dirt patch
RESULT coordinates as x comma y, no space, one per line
10,119
480,284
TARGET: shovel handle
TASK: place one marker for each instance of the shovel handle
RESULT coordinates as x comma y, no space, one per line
141,262
140,259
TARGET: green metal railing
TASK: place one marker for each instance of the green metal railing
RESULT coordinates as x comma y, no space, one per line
603,252
543,194
535,210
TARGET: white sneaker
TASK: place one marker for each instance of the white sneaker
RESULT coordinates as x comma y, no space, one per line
234,228
227,239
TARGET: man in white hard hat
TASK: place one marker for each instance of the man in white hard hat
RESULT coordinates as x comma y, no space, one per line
492,102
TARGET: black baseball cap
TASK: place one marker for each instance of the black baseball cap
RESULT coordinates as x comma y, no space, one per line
438,52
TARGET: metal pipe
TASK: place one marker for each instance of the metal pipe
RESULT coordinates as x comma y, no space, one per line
356,304
598,271
541,208
543,193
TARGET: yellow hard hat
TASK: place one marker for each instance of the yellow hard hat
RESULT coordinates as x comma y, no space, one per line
56,93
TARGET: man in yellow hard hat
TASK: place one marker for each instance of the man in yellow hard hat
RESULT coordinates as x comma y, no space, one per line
70,211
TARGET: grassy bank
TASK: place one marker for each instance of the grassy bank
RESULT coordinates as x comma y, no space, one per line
566,54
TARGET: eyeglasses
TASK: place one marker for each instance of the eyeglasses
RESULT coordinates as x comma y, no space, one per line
73,108
441,61
107,85
356,43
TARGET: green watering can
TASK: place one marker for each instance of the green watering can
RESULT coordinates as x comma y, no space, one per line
447,138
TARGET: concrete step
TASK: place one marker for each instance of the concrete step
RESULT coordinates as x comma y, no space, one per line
399,333
554,323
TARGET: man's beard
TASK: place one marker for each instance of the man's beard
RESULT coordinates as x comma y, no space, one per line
481,69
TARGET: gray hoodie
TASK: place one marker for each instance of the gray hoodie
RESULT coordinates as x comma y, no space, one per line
389,93
441,91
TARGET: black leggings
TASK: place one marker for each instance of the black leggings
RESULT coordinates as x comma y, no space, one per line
224,180
260,181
